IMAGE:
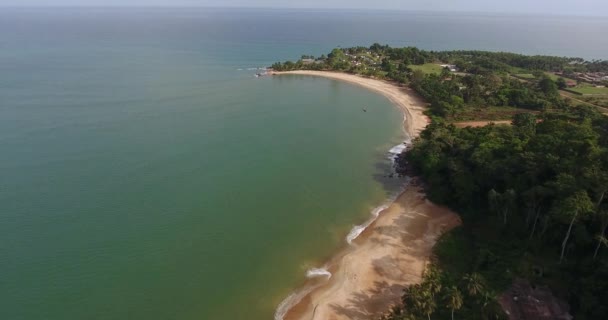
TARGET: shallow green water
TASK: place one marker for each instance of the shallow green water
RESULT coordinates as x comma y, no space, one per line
144,176
154,183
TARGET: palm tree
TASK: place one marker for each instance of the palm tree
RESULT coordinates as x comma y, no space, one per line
454,299
432,281
601,240
419,300
489,308
474,283
578,203
428,304
488,297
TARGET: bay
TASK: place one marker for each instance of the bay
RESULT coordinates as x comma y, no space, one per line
145,173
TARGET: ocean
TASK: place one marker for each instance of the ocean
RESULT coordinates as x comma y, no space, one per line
145,173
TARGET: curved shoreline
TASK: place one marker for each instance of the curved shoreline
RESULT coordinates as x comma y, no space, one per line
405,98
369,275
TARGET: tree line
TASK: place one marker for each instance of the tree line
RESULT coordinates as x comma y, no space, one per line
532,197
471,61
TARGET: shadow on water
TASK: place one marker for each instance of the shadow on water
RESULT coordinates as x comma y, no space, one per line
385,175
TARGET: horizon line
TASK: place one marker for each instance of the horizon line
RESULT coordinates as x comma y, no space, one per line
161,6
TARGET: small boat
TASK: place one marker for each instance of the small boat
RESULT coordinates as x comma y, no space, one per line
364,110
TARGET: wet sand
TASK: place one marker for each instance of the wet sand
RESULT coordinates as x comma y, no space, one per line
369,276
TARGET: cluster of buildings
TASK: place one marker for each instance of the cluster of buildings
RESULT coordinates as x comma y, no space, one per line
359,60
312,61
451,67
590,77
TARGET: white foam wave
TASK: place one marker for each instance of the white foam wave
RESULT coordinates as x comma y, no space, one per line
356,231
395,151
289,302
318,272
376,212
398,149
295,297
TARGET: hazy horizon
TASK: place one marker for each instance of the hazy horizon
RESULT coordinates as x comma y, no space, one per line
558,7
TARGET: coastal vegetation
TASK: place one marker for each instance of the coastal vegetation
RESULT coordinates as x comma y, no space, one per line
532,198
479,81
532,195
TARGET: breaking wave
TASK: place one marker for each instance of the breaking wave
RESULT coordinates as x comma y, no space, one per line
289,302
395,151
294,298
318,272
356,231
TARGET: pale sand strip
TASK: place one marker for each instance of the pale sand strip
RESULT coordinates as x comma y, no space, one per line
411,104
369,276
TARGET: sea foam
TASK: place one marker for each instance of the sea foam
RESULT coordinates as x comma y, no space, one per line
398,149
318,272
295,297
395,151
289,302
356,231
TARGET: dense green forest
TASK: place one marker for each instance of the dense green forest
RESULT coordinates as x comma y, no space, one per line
532,195
533,200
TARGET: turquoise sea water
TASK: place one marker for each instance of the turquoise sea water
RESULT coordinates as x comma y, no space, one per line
146,174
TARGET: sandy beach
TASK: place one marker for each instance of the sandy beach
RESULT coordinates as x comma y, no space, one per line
369,276
403,97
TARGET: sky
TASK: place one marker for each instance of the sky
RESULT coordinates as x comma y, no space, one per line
562,7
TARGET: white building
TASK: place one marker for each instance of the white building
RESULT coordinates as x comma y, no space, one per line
450,67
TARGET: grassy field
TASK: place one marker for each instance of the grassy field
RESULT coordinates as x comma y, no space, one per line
601,101
487,113
590,90
524,75
516,70
427,68
529,76
552,76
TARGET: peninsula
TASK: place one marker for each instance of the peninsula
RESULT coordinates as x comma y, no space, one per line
517,146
